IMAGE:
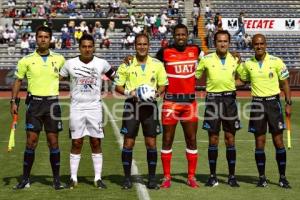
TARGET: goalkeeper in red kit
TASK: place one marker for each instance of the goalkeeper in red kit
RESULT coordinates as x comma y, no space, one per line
180,61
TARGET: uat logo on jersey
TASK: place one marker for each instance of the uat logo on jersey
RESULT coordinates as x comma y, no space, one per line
184,68
191,54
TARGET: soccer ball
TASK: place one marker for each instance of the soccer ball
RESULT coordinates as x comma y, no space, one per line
146,93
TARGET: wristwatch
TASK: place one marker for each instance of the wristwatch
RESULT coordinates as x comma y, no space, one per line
288,102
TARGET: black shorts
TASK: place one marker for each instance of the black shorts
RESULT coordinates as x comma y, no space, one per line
221,108
43,111
140,112
266,111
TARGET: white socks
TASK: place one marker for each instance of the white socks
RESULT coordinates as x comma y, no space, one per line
74,164
97,162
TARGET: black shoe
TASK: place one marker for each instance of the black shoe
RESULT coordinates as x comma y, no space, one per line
212,181
127,184
57,185
232,181
284,183
152,184
262,182
99,184
73,184
25,183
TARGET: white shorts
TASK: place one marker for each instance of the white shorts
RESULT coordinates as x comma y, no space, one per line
86,123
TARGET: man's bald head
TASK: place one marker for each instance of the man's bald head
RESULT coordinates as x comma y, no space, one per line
256,36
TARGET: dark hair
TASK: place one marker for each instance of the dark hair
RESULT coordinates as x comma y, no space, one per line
141,35
86,37
44,29
178,26
221,32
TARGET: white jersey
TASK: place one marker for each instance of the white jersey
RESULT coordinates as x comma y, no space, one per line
85,81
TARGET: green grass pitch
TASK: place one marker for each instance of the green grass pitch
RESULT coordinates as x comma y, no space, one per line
11,165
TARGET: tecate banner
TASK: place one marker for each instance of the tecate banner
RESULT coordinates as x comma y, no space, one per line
263,24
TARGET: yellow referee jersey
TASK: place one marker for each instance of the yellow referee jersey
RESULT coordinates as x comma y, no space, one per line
133,76
219,77
265,76
42,76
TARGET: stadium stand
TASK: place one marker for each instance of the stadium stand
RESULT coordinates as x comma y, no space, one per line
283,44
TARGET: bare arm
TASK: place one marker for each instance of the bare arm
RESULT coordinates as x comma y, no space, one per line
121,90
15,91
287,93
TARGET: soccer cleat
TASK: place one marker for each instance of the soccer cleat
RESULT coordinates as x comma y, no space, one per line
166,183
57,185
232,181
212,181
25,183
99,184
283,182
192,182
262,182
72,184
127,184
152,184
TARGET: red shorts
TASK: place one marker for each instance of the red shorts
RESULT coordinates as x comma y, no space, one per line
172,112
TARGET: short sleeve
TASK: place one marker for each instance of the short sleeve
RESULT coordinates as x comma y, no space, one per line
121,76
21,69
162,76
200,68
281,70
243,72
64,71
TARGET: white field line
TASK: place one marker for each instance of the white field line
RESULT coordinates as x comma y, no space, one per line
141,189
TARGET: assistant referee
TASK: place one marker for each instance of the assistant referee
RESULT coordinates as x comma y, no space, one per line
266,73
41,68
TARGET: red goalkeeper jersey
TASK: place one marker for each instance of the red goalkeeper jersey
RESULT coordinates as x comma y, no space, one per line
180,67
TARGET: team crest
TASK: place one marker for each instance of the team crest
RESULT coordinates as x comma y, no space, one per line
152,79
191,54
55,70
290,24
237,124
280,125
271,75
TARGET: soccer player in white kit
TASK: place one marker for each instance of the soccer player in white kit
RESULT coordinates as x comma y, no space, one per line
85,73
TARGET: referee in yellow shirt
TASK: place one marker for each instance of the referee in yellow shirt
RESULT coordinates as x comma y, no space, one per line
266,73
41,68
221,70
143,70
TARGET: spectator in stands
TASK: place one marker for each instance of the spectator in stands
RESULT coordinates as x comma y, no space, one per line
239,41
91,4
79,15
115,6
210,30
111,27
136,29
247,41
83,26
34,10
162,31
11,4
241,24
147,25
12,33
97,30
24,45
218,21
208,13
132,20
32,42
164,43
12,13
47,7
58,43
90,29
130,39
78,34
64,28
105,41
125,42
176,7
196,11
71,7
164,19
64,6
195,26
98,12
65,37
41,11
6,36
11,47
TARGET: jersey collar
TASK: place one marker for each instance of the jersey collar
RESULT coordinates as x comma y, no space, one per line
36,53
